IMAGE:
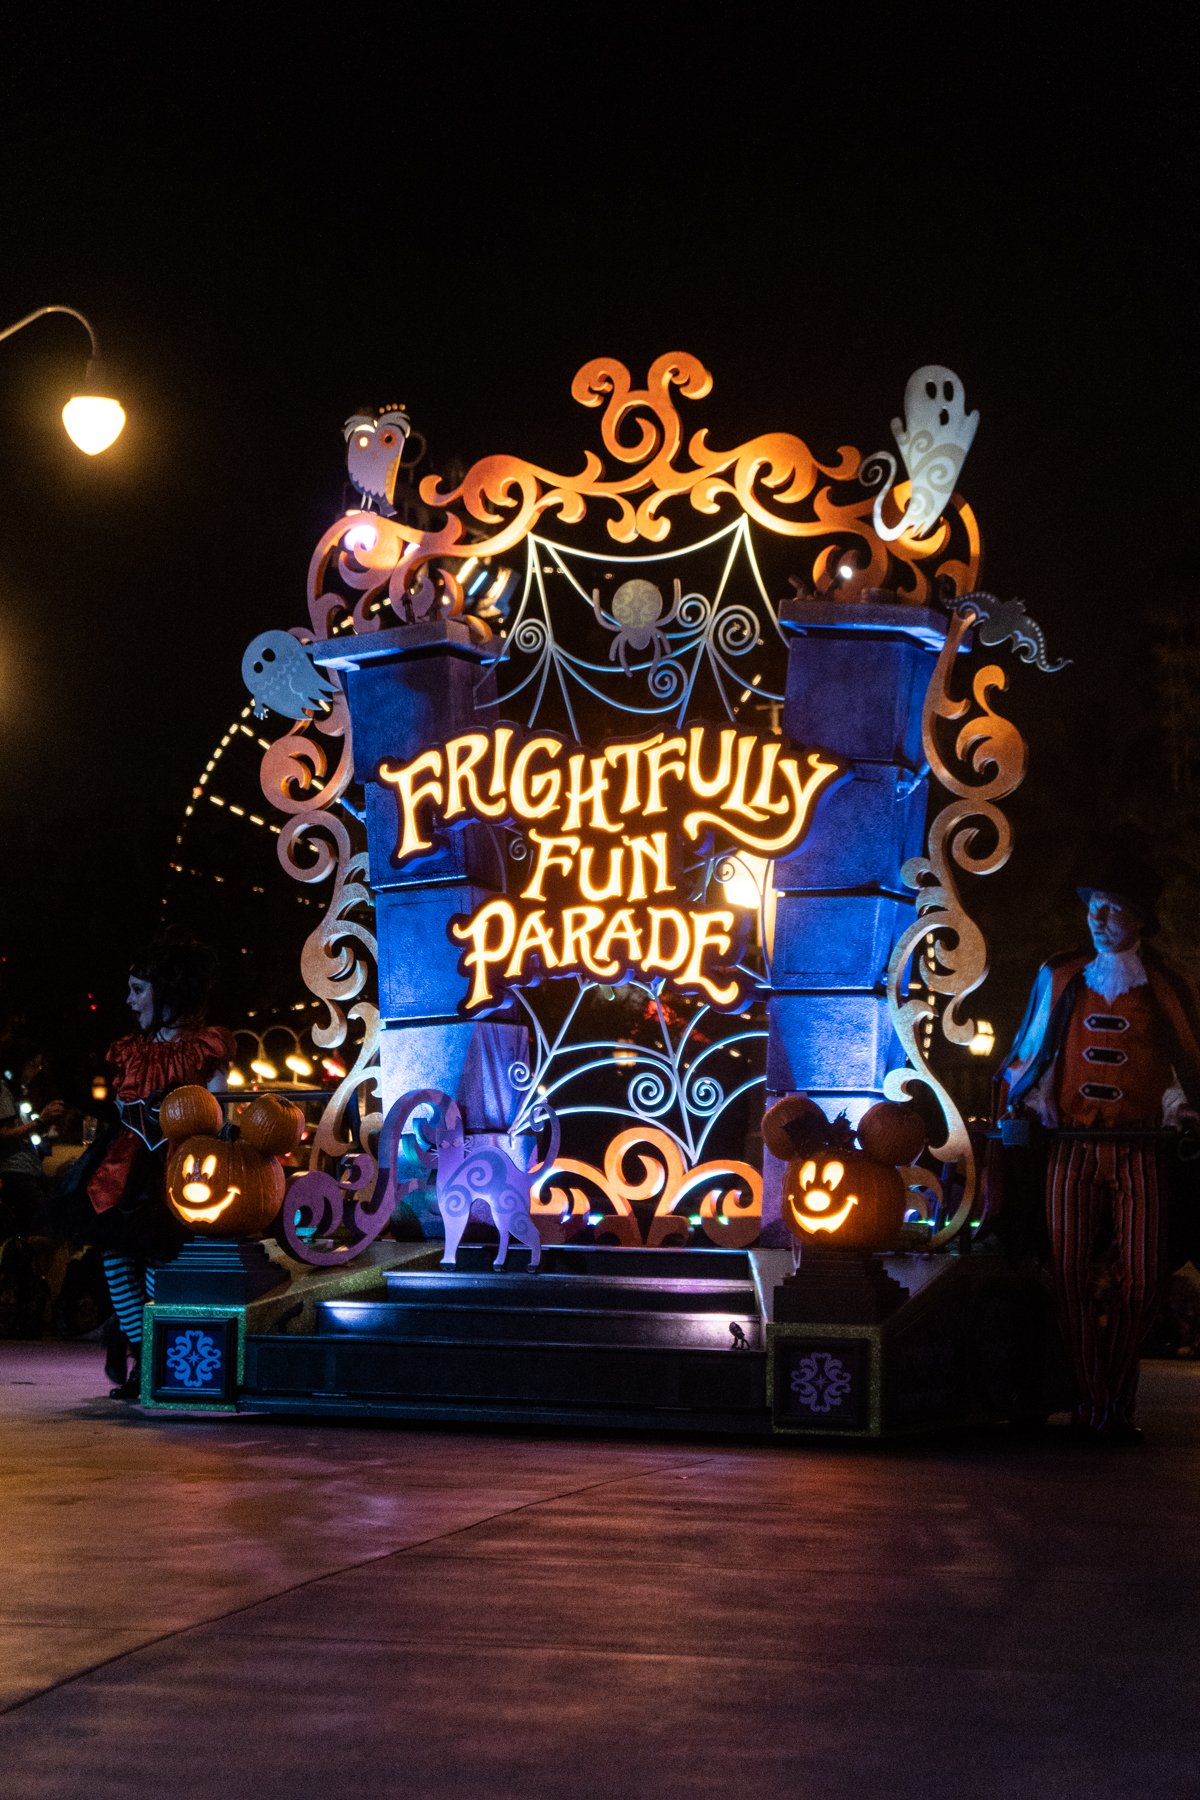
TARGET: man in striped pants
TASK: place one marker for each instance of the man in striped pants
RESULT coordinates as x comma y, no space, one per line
1108,1057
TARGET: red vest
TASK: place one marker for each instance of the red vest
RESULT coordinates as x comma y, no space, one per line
1115,1063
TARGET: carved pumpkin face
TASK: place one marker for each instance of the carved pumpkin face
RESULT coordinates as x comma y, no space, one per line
844,1199
224,1188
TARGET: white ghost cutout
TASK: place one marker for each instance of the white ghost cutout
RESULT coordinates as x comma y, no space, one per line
374,447
281,675
933,439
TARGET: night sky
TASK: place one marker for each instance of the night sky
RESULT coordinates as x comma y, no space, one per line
269,232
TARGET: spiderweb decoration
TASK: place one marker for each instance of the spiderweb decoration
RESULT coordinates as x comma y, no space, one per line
595,640
595,634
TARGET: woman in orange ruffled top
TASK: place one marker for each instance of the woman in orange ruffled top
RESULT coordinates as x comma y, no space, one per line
129,1218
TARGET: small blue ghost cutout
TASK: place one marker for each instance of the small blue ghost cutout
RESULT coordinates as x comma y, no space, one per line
282,676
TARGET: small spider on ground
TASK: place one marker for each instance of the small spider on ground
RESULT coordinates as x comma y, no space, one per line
637,619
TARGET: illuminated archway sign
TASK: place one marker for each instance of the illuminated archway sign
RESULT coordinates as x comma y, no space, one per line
606,893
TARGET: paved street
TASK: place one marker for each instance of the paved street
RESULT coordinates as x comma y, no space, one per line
236,1607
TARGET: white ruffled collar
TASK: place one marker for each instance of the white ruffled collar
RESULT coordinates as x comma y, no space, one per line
1112,973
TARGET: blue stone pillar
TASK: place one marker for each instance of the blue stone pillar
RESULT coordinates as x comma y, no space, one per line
856,683
407,689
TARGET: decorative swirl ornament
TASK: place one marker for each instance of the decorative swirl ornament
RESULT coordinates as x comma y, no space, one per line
972,834
726,1195
340,955
773,479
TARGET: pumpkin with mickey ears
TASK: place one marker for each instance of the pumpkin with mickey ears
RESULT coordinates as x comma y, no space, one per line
224,1187
834,1194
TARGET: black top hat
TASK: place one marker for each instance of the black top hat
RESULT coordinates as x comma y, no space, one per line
1128,879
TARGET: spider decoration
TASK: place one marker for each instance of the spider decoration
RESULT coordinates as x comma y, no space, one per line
637,619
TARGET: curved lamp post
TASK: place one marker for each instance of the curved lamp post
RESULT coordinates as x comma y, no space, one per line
93,419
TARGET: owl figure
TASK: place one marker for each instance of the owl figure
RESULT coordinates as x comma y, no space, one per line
374,445
282,676
933,439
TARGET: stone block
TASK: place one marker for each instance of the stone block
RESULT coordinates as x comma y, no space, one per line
829,1044
469,852
401,704
835,941
858,696
418,961
862,833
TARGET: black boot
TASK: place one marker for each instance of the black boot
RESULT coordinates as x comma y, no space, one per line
131,1387
116,1351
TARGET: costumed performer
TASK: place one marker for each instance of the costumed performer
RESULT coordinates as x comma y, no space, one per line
1107,1058
121,1205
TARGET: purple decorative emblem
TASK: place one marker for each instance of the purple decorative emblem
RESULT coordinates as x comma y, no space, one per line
194,1358
821,1381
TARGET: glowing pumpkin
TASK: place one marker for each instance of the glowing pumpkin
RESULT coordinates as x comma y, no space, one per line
843,1199
221,1187
892,1132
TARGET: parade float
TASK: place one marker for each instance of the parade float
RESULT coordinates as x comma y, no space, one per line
643,917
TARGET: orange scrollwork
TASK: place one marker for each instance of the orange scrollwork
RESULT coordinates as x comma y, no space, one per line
775,479
726,1196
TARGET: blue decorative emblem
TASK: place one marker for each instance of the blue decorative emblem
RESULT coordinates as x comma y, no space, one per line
821,1381
194,1359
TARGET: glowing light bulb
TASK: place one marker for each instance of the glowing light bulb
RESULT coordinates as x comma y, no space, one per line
746,882
362,537
333,1068
984,1041
264,1070
93,422
235,1078
846,572
299,1065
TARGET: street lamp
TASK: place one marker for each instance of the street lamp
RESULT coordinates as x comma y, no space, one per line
93,419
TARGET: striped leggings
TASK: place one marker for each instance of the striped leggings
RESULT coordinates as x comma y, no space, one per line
1106,1223
130,1286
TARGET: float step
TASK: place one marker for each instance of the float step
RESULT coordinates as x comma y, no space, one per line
409,1321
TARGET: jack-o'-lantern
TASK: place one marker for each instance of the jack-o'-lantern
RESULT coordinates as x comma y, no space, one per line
843,1199
227,1187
